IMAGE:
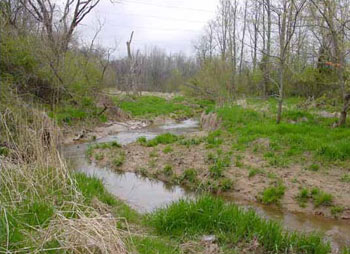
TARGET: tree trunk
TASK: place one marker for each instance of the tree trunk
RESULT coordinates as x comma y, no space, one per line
280,91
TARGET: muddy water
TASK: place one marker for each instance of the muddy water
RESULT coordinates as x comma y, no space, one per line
146,195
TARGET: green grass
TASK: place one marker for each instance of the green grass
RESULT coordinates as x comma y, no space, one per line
231,224
165,139
154,245
345,178
151,106
168,149
255,171
321,198
189,176
106,145
168,170
287,140
91,188
313,167
85,111
119,159
272,194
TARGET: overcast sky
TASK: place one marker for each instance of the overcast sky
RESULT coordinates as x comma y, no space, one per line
168,24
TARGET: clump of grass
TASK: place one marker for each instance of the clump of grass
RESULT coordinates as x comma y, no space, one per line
164,139
189,175
273,194
208,215
168,149
336,210
99,156
119,159
254,171
106,145
313,167
153,153
303,196
168,170
345,178
214,139
191,141
219,163
225,184
321,198
142,140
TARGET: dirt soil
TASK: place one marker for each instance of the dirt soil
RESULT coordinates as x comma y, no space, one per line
152,160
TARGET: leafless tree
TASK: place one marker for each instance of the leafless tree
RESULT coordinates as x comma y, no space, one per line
59,25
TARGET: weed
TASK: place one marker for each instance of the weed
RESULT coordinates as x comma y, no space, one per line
99,156
119,159
213,139
142,140
168,170
226,184
143,172
321,198
189,175
273,194
153,153
190,141
254,171
303,197
168,149
345,178
335,210
313,167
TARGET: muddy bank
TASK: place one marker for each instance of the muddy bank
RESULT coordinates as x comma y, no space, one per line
245,176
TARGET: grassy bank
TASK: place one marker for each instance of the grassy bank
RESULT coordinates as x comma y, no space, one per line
149,106
42,206
170,229
301,135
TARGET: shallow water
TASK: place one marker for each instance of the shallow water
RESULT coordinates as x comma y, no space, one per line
146,195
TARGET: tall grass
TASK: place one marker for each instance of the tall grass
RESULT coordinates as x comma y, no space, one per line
41,208
209,215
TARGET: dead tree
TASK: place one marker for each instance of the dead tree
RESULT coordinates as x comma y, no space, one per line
59,33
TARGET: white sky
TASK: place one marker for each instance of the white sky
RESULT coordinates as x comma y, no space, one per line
168,24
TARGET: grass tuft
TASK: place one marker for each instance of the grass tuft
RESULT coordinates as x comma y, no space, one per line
209,215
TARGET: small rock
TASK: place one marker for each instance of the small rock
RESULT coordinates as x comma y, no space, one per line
208,238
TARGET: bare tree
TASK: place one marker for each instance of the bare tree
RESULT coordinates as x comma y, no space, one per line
287,12
336,17
59,30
